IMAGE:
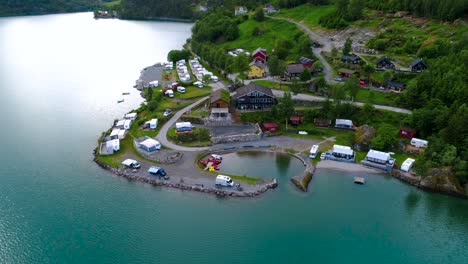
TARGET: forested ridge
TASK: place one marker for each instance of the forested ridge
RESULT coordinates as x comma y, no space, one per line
36,7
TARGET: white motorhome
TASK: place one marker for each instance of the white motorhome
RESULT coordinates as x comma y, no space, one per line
407,164
131,163
313,151
181,89
223,180
419,143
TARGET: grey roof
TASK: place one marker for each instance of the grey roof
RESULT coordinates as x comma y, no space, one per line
294,68
305,60
379,155
350,57
345,122
259,64
395,84
342,150
416,62
383,58
253,87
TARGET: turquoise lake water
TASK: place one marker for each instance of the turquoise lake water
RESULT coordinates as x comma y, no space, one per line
60,78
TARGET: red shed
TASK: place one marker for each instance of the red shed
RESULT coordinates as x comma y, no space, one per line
270,127
260,55
295,120
407,132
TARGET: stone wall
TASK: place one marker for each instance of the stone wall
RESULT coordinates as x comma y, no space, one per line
236,138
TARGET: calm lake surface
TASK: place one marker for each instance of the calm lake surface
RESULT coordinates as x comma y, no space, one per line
60,78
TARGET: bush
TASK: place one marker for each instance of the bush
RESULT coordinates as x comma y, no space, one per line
198,134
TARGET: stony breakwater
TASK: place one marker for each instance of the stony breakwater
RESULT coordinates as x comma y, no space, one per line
130,175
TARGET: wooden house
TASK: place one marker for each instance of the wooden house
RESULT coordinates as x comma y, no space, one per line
396,86
254,97
346,73
353,59
384,63
418,65
257,70
260,55
220,99
293,70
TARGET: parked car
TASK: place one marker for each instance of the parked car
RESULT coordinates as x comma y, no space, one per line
322,156
167,113
302,133
362,83
338,79
157,171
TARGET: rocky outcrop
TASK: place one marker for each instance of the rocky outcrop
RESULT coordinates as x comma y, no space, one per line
437,180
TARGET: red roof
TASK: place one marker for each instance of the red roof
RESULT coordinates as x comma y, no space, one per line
270,125
295,119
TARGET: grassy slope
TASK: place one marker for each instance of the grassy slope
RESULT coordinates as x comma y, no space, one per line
274,30
308,14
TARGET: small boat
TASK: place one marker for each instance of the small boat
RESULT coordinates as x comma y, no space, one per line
125,93
120,101
359,180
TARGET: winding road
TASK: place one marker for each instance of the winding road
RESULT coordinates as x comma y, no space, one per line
162,135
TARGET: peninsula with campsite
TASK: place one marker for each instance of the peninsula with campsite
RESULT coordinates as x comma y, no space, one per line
352,85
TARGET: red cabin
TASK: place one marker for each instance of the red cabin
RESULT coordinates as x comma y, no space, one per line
407,132
270,127
260,55
295,120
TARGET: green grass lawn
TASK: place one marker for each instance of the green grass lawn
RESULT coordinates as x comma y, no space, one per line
308,14
380,98
112,4
192,92
273,85
172,135
274,30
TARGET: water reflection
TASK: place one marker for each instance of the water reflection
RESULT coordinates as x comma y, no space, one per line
412,200
282,163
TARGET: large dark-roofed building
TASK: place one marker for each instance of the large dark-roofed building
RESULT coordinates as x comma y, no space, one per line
253,97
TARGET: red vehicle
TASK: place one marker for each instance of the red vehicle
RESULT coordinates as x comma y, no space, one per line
362,83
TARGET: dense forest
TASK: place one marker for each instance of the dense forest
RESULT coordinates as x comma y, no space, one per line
36,7
144,9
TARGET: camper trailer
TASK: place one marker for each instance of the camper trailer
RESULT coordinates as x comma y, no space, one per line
127,124
169,93
313,151
419,143
153,123
407,164
183,126
222,180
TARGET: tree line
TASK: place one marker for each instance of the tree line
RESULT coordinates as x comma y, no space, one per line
36,7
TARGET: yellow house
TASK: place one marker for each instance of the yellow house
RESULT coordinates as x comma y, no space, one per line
257,70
